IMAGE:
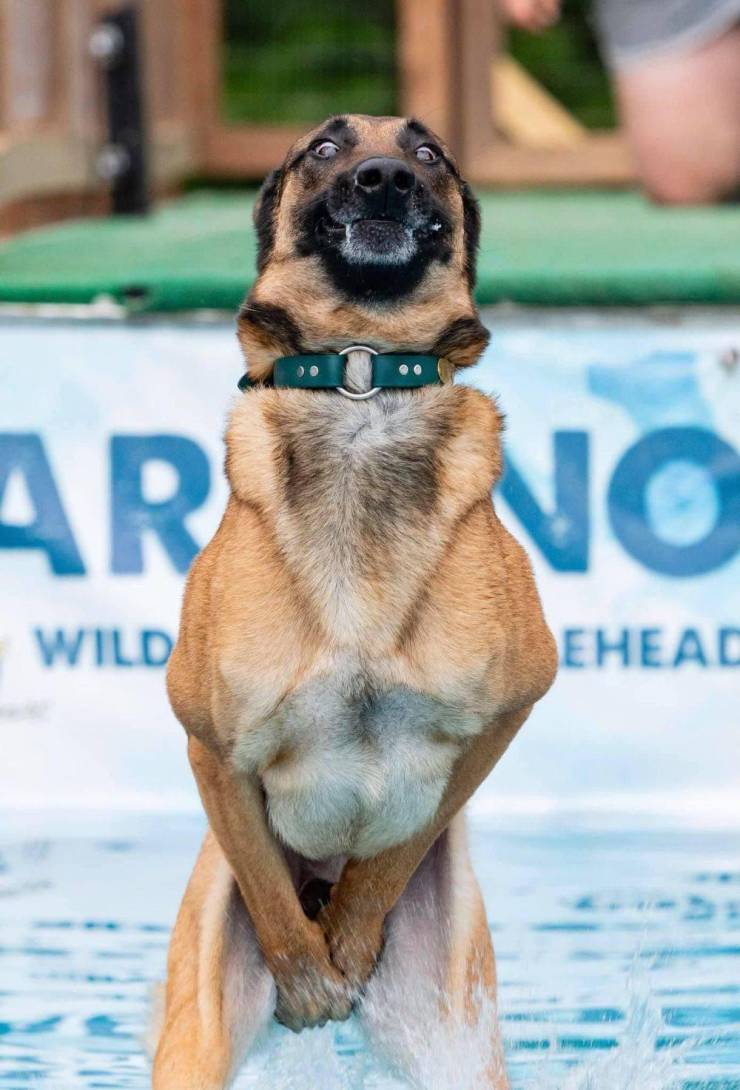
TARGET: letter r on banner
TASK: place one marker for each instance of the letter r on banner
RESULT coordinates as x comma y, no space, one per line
132,515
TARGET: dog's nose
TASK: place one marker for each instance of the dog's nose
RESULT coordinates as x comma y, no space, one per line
386,184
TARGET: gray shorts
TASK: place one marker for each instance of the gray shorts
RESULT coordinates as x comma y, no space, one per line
634,30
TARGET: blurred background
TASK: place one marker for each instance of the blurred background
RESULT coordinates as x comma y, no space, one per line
603,140
225,86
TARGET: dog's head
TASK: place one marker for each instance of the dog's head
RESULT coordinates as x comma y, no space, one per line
377,200
367,232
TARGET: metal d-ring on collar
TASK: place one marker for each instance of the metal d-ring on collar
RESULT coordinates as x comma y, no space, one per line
348,393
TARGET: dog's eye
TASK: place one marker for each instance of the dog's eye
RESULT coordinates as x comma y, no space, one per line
325,149
427,154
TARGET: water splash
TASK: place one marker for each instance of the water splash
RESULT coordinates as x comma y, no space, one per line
441,1054
334,1058
429,1050
311,1062
637,1061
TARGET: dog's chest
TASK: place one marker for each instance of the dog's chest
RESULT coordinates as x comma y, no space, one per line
347,770
356,515
354,758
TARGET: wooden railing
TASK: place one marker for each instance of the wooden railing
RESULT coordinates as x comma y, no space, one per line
450,73
449,58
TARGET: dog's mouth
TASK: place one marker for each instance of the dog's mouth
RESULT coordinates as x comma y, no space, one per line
370,251
378,240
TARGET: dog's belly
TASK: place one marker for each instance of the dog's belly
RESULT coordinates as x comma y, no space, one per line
347,771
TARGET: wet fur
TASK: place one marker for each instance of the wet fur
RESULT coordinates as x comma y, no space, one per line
359,642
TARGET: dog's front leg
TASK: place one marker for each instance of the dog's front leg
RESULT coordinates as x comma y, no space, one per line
311,990
369,888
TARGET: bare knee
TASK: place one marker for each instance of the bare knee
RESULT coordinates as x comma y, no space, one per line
681,114
707,186
682,167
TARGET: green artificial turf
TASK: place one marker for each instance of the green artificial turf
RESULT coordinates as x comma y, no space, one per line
549,248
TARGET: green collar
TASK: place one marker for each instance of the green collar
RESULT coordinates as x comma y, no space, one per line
390,371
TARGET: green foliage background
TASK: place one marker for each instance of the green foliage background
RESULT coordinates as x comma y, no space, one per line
296,61
300,60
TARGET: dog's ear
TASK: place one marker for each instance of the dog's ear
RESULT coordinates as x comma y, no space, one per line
264,216
463,340
471,228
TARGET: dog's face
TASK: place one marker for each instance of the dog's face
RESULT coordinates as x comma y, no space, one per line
366,234
377,200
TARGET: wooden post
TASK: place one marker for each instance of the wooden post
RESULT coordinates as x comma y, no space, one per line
202,53
477,41
29,64
426,52
45,160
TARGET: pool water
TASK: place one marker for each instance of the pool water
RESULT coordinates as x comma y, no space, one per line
618,952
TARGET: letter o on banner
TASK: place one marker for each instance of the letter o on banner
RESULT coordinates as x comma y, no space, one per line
628,506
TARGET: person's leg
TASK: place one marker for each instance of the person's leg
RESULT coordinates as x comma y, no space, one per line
681,113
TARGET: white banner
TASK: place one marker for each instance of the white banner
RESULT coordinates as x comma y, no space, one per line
623,482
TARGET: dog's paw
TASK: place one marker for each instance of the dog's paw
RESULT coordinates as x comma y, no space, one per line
308,997
354,945
311,991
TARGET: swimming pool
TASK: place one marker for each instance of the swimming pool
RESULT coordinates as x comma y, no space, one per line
618,952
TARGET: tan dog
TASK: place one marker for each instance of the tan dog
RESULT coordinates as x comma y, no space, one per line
360,641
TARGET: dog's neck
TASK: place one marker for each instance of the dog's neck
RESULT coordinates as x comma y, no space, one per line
279,320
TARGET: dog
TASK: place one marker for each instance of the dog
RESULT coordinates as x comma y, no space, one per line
361,639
